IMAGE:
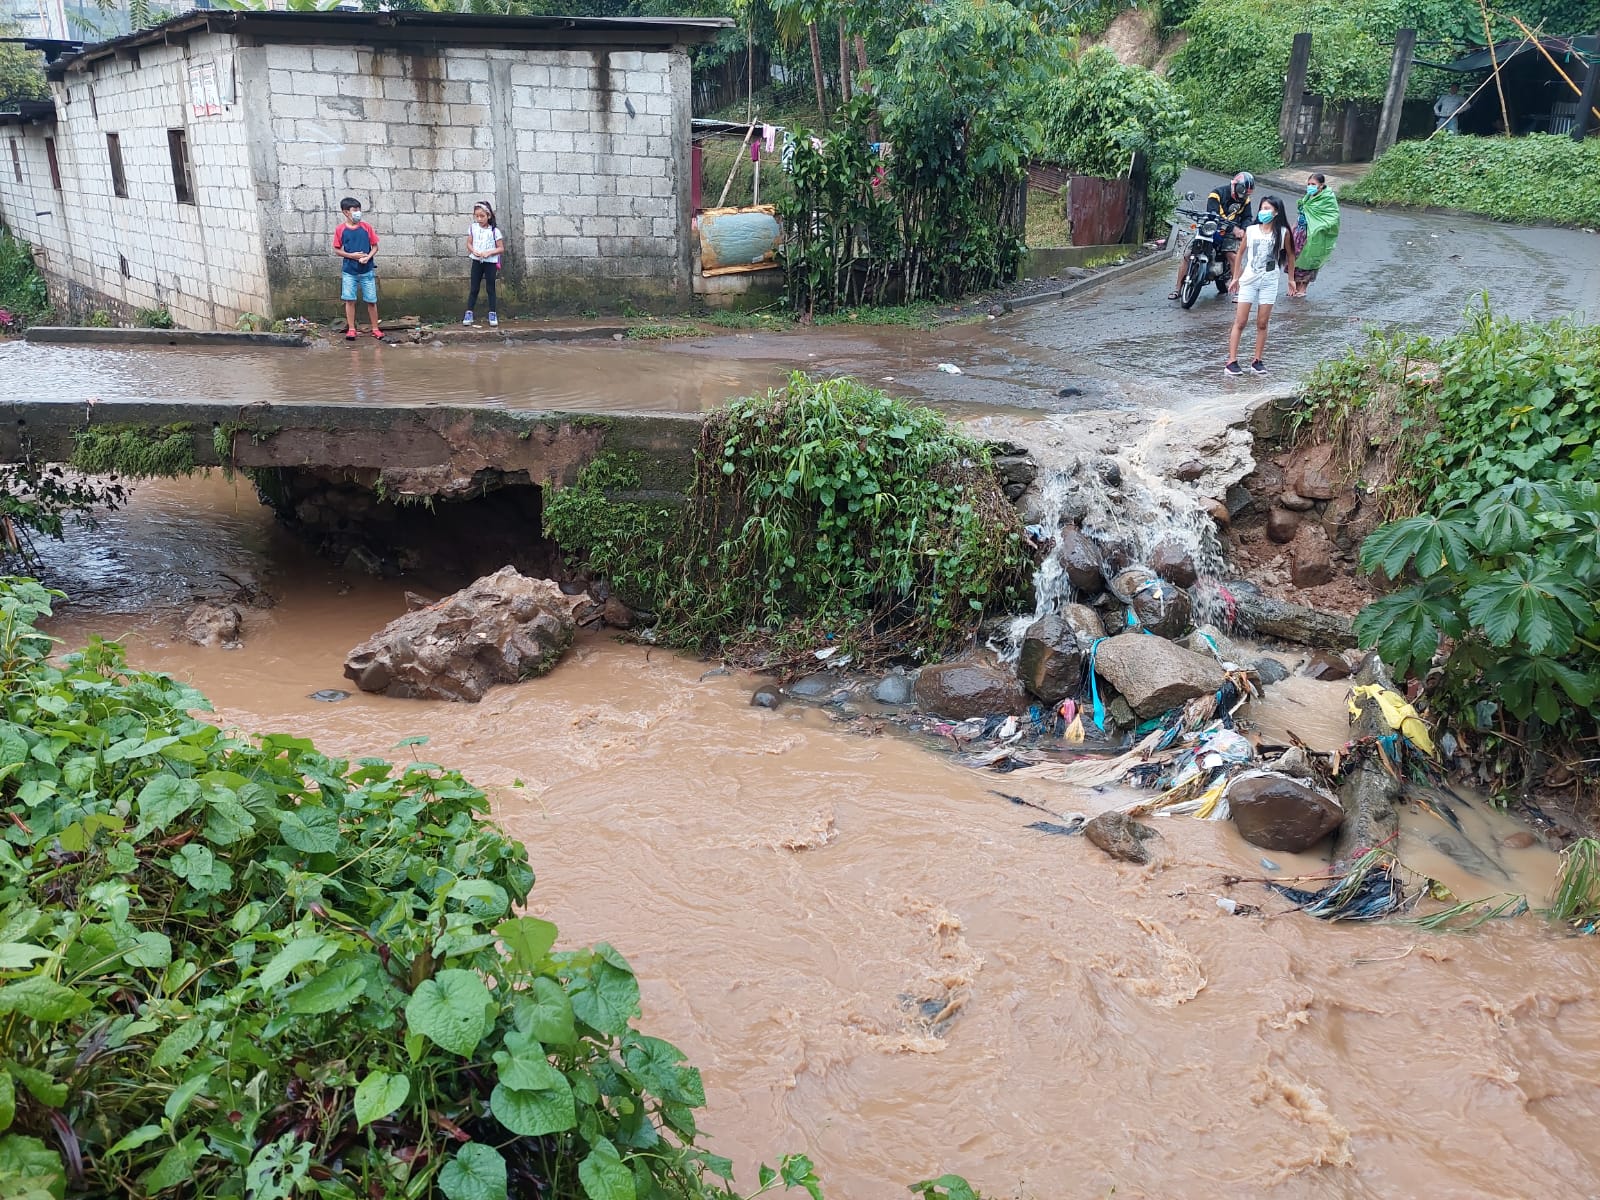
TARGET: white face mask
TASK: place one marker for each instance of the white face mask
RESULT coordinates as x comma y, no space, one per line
355,214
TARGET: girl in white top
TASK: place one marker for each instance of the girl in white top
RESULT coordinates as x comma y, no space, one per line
1265,255
485,245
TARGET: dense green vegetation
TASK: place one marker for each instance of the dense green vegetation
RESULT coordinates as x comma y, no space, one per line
823,513
939,216
1487,437
1230,71
236,967
23,296
1540,177
1095,113
1434,422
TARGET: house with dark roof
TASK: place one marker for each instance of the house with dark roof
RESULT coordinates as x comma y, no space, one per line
198,165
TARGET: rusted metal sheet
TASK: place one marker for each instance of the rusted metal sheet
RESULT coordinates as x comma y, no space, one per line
1098,210
739,239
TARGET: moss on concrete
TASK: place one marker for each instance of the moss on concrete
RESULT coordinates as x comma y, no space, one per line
136,451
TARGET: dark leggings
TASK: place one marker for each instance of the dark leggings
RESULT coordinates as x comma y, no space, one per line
482,272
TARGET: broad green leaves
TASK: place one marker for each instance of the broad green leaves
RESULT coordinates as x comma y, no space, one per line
30,1170
528,939
477,1172
42,999
603,1174
378,1095
605,995
452,1010
1513,582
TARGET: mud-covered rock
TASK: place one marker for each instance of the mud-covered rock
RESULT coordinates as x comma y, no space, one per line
503,628
1080,558
1154,674
213,624
1295,502
1326,665
1269,670
1174,562
1278,813
1311,559
968,689
617,614
1282,525
1120,836
1312,473
766,696
1050,664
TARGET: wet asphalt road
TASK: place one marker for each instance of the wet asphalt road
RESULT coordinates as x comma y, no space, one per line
1121,348
1125,344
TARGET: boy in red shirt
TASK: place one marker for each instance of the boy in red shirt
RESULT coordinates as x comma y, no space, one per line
357,243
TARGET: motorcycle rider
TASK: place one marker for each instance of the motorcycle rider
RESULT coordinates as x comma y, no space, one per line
1230,204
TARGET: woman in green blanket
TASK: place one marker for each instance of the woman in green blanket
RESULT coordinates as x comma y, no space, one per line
1315,232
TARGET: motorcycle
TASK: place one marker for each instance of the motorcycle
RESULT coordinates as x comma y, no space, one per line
1210,255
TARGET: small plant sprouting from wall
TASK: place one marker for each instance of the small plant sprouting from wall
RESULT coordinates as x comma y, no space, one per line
136,451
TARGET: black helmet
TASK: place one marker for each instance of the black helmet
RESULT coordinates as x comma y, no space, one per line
1243,184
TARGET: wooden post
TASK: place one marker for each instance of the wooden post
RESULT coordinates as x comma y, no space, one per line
1591,90
1405,45
1294,90
1494,59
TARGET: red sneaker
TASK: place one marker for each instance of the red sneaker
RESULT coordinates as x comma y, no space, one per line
378,333
349,335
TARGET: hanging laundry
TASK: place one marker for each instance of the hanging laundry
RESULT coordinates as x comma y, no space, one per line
769,138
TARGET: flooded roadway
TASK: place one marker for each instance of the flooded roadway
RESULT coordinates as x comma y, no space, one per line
802,905
1123,353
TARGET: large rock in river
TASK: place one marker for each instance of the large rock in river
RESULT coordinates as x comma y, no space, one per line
1050,664
1278,813
503,628
1153,674
959,690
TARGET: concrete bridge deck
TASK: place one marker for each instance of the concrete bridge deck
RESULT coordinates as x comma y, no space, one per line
435,450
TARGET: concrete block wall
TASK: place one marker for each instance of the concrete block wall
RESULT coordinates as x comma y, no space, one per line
202,261
584,154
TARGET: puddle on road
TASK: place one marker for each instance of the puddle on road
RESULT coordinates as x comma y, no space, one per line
797,901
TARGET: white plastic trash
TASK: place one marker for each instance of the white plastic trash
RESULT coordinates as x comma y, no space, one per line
950,368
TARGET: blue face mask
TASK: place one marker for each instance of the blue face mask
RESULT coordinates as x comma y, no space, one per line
1265,216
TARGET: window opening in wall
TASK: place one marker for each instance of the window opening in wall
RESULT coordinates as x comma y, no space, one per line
55,164
182,177
16,159
122,265
119,181
94,108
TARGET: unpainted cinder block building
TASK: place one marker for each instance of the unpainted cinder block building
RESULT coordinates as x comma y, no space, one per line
197,166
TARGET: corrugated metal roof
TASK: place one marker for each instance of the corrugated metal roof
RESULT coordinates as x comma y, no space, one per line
1563,50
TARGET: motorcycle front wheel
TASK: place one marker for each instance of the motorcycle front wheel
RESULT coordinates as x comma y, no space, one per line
1192,283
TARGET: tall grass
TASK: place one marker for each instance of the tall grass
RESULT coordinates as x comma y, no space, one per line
22,291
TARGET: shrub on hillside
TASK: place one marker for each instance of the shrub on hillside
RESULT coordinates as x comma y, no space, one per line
1541,177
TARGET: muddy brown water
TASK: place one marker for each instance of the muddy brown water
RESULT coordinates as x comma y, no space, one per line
875,962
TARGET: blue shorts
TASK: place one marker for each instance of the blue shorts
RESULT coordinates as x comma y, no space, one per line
359,287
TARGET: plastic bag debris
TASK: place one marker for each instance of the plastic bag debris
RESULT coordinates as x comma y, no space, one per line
950,368
1397,711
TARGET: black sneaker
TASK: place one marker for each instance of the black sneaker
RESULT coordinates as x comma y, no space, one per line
1232,369
1259,367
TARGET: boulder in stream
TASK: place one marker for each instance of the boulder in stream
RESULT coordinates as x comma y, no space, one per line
1155,675
213,625
1050,664
1120,836
959,690
1278,813
1081,559
503,628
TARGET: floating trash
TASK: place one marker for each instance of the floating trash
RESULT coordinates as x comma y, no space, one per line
329,695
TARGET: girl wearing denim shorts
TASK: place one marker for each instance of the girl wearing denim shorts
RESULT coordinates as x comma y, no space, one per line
1265,256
